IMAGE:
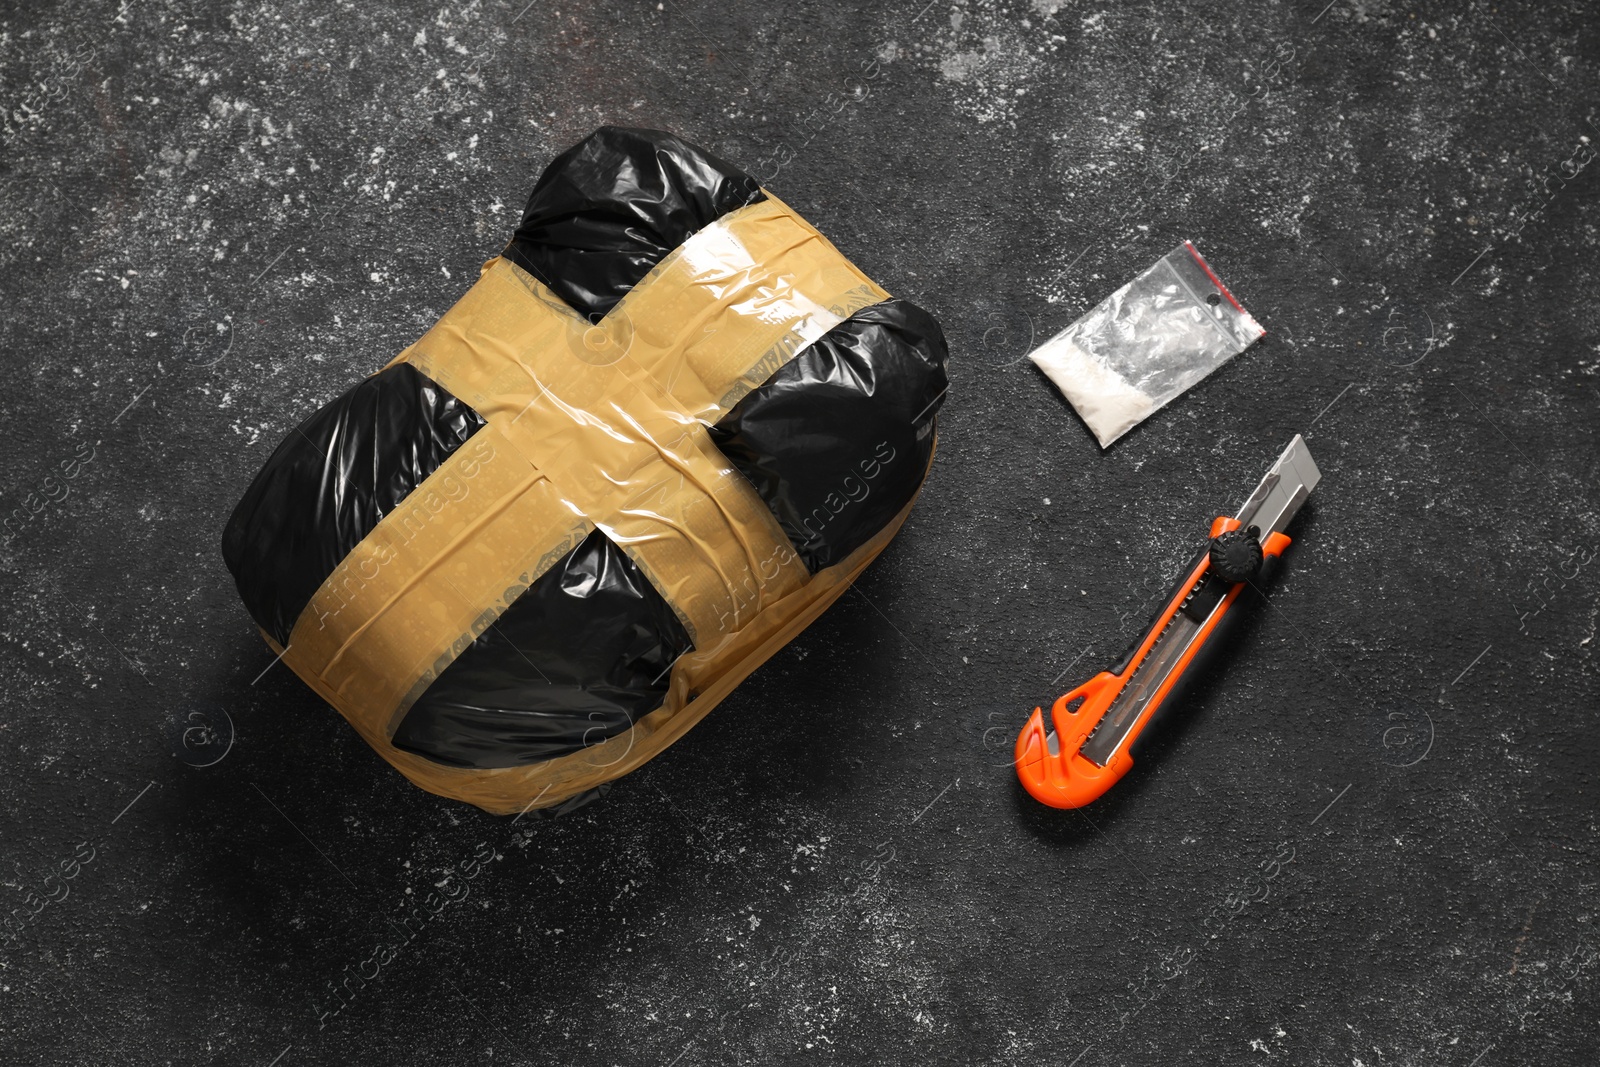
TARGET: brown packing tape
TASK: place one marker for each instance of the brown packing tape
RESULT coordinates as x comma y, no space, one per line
619,451
430,577
700,682
600,424
720,313
735,302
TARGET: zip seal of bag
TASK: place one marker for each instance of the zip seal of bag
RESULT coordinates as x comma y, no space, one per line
1147,343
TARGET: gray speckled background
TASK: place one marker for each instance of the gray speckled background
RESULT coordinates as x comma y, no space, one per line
1370,842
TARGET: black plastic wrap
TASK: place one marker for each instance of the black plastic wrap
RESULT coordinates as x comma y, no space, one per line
582,655
837,441
608,209
330,481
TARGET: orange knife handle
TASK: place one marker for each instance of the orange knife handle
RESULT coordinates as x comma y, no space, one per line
1065,778
1271,550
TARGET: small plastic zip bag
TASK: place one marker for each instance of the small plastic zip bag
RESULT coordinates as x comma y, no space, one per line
1147,343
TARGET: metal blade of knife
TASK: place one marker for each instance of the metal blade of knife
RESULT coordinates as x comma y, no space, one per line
1287,484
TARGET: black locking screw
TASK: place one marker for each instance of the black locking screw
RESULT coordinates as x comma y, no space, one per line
1236,555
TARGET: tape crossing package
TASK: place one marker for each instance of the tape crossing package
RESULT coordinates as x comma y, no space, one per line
661,433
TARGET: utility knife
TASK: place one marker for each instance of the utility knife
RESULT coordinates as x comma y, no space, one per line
1087,747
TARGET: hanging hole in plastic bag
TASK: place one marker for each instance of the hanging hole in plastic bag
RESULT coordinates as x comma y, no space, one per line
1147,343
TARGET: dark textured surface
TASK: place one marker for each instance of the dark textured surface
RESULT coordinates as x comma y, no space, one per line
216,218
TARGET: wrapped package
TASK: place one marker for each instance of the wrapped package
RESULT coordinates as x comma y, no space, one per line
661,433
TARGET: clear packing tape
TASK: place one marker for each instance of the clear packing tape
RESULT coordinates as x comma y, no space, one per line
592,426
1147,343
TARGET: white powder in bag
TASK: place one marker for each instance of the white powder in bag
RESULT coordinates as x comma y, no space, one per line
1106,401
